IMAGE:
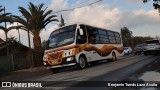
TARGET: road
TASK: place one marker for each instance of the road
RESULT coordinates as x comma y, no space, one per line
106,71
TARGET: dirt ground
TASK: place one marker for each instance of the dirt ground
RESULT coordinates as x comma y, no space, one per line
23,74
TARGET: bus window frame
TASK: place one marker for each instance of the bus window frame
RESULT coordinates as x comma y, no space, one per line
84,34
97,30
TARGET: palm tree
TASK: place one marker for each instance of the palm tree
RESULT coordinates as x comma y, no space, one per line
35,20
5,17
17,28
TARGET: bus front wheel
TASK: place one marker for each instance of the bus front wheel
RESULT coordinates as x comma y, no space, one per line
81,62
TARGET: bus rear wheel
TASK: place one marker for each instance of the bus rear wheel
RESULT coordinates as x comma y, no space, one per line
81,62
114,58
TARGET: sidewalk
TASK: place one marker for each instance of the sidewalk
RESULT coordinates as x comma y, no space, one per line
24,74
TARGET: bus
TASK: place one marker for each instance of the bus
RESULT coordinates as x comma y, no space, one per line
81,44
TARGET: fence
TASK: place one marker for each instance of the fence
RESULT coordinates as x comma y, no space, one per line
20,61
6,64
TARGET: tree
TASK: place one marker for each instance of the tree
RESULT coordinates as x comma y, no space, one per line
5,31
5,17
35,20
62,23
126,37
156,4
17,28
140,40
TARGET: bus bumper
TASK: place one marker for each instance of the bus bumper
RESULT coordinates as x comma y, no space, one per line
63,65
69,61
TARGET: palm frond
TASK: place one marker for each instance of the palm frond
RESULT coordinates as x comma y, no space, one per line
20,20
4,29
6,19
25,13
1,10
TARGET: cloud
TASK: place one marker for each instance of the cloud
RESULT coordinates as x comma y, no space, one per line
57,5
14,33
134,1
100,15
139,17
46,33
106,16
113,17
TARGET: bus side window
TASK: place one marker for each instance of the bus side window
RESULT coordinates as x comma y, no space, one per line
93,37
81,39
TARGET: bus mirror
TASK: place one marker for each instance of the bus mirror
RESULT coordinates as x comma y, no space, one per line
78,27
81,31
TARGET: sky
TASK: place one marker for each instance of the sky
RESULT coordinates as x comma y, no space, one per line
142,19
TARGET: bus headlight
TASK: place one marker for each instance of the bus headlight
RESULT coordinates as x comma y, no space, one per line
69,59
44,63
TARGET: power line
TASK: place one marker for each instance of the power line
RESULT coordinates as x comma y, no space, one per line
83,2
78,7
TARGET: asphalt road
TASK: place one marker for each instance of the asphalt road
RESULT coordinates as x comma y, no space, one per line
107,71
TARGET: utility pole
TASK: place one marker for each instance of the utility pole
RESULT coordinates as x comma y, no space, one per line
18,33
5,25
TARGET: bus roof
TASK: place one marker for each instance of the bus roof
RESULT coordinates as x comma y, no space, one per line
90,26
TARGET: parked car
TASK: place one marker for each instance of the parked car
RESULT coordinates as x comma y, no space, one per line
138,49
127,50
152,47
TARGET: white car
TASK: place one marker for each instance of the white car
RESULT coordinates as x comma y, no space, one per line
127,50
152,47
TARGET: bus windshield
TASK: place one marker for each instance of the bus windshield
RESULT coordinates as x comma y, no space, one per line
63,36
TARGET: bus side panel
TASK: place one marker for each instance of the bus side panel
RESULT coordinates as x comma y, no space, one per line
92,55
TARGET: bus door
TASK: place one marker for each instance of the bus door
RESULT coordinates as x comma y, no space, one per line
93,40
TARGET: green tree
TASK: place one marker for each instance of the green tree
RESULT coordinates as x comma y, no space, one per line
35,20
156,4
5,17
140,40
126,37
